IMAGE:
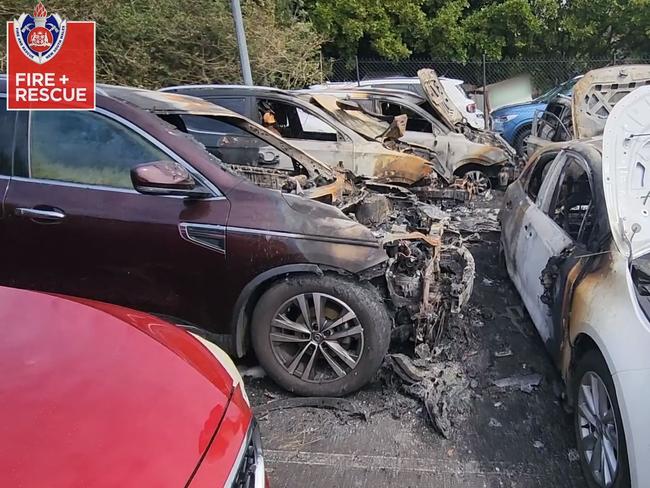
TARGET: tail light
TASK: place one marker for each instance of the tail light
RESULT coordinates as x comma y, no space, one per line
471,107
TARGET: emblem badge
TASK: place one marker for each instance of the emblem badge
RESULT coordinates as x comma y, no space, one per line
40,36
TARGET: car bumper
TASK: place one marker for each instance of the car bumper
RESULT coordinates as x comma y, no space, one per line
634,404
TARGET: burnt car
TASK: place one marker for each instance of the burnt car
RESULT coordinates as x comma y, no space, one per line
576,242
455,155
584,113
464,151
119,205
314,131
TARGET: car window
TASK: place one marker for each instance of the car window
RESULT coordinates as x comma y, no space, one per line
293,122
391,86
210,125
237,105
571,207
86,147
538,174
414,123
7,125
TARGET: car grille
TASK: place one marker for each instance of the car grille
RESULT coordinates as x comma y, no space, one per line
250,473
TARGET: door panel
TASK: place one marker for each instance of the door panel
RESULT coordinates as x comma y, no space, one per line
539,240
115,246
76,226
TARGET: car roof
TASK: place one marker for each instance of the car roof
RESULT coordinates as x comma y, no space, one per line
387,92
404,79
244,89
160,102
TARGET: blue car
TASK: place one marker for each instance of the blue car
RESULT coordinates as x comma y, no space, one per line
514,122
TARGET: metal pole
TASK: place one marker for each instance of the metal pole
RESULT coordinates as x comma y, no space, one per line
321,67
486,115
241,43
356,62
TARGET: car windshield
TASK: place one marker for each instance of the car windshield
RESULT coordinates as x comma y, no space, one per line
565,88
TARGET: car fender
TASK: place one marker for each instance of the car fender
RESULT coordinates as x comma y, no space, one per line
604,308
239,323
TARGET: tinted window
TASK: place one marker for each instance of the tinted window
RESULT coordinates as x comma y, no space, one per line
392,86
572,207
210,125
85,147
237,105
6,137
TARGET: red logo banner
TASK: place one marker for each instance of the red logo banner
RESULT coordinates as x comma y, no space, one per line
50,63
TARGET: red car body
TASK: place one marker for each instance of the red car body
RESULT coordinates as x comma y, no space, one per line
99,395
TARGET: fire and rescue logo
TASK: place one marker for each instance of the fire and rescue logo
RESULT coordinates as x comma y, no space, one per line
40,36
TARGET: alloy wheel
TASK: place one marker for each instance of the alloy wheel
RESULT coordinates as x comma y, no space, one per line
597,429
479,180
316,337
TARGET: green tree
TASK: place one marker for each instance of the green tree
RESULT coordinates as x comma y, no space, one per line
152,43
381,27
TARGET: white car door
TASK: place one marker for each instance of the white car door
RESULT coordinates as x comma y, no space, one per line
311,132
540,239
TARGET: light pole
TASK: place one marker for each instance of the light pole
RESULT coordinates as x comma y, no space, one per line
241,43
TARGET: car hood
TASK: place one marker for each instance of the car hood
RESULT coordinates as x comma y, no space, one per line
518,107
626,172
319,219
437,96
595,94
99,395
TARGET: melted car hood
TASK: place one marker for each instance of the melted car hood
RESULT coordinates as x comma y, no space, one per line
437,97
595,95
98,395
626,172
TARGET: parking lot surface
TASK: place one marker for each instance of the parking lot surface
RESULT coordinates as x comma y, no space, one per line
507,437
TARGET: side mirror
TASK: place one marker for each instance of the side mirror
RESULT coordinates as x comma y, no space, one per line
166,178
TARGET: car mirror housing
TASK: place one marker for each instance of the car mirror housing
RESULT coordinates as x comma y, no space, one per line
166,178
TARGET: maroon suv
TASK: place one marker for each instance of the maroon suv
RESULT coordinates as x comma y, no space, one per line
119,205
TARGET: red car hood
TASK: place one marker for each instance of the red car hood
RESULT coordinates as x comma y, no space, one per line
97,395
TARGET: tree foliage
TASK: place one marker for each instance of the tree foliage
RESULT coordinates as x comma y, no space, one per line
465,29
155,43
158,42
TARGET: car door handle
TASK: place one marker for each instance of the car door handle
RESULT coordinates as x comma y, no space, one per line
43,214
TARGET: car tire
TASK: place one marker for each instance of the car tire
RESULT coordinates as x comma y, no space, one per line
591,374
479,179
344,357
519,143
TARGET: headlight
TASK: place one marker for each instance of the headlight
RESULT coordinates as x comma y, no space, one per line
502,119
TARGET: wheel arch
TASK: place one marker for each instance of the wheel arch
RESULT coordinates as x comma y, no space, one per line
519,129
486,166
243,309
582,344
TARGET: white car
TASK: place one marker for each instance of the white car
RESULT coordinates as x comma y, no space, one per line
452,86
576,242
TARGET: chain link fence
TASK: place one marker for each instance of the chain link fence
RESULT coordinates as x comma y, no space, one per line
544,73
